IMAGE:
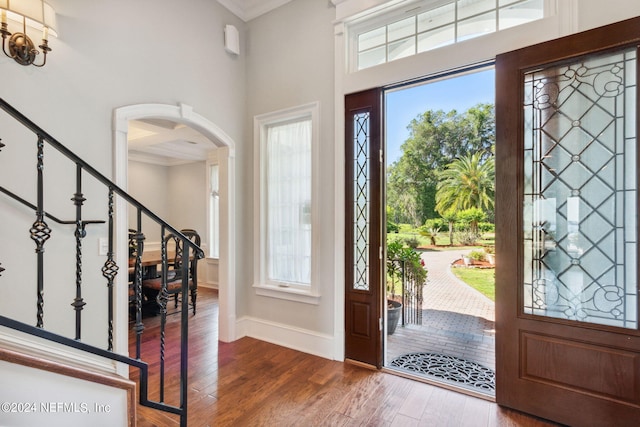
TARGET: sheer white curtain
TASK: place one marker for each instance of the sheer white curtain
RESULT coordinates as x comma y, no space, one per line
288,179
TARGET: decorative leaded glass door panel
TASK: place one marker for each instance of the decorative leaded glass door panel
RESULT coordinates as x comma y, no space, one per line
567,339
363,335
580,190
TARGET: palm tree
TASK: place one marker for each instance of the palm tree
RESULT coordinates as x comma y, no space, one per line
467,182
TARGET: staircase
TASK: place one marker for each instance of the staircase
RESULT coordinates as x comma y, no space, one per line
83,311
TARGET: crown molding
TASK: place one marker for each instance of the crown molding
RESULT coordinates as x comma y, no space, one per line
251,9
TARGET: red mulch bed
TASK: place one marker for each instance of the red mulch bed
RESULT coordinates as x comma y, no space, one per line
474,264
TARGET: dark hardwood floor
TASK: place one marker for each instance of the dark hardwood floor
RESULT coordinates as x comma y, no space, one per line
254,383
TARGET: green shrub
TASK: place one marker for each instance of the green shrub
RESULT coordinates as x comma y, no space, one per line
397,256
477,254
467,237
461,226
412,242
405,228
393,238
436,223
392,227
486,227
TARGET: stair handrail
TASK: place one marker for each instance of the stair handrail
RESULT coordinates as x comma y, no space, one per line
40,233
92,171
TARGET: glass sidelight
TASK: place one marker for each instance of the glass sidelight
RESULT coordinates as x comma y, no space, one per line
580,190
361,202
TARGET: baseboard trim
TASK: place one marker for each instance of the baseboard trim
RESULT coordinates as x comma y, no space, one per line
43,349
307,341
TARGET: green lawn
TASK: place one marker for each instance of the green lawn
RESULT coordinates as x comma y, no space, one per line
442,239
481,279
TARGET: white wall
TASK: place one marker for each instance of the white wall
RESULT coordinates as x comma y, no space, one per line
176,194
149,184
187,194
290,63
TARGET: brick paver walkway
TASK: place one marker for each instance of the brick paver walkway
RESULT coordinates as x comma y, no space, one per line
457,319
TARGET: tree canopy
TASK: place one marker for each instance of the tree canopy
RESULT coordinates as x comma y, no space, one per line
435,139
467,182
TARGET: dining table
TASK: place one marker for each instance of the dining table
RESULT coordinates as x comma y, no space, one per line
150,262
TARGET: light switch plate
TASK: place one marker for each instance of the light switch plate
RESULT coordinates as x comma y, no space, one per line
103,246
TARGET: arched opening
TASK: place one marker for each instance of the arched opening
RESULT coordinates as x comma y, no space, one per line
185,115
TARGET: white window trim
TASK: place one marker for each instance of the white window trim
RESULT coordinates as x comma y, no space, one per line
212,160
307,294
393,11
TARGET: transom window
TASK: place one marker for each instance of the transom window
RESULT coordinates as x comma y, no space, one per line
432,24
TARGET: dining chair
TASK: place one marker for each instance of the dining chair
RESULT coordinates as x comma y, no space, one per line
133,251
173,269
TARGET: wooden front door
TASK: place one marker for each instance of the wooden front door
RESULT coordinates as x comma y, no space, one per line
567,338
363,227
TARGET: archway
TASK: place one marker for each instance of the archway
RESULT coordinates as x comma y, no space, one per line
183,114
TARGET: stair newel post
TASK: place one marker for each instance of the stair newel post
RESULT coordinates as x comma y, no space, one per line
78,200
139,326
40,233
109,271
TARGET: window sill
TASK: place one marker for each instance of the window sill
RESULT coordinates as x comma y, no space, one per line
290,294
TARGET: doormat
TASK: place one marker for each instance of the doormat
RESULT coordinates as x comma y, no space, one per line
448,368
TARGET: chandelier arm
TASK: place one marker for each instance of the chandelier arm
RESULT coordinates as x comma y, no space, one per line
12,56
44,60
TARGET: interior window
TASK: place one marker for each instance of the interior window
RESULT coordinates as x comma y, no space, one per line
286,153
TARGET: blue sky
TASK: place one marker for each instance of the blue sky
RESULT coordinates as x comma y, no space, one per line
458,93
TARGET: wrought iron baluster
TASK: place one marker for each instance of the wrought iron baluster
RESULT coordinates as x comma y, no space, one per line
109,271
163,299
139,326
403,268
40,233
78,200
184,332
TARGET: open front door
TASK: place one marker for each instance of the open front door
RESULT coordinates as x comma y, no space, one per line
363,227
567,338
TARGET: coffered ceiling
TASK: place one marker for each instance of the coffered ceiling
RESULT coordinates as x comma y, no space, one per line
166,143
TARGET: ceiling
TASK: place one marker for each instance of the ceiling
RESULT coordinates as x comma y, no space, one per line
250,9
166,143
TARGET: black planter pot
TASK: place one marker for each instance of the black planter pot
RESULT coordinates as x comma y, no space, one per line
393,315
